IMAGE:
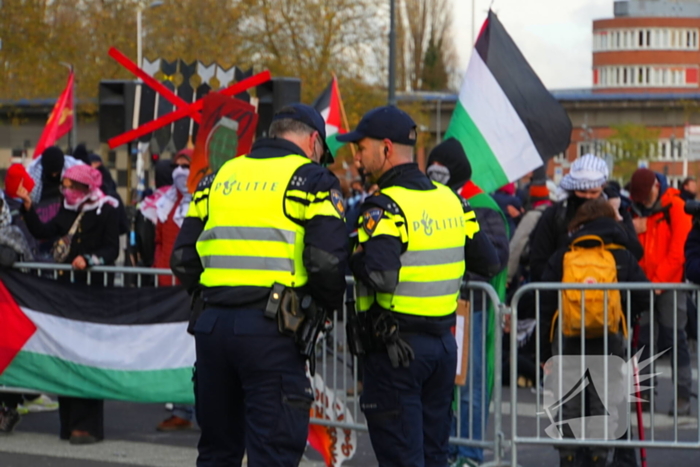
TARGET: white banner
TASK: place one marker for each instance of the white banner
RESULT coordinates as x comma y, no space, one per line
336,445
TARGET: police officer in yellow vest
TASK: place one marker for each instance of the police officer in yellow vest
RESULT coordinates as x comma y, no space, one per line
414,237
265,242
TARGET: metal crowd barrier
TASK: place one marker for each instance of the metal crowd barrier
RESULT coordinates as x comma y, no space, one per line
659,431
339,370
124,276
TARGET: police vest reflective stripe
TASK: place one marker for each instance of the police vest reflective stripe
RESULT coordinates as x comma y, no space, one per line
248,240
432,267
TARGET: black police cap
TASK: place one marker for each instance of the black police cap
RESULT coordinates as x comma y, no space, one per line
386,122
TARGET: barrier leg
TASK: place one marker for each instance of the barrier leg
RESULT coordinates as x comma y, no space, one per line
638,393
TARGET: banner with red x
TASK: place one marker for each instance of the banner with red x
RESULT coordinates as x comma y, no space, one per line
184,109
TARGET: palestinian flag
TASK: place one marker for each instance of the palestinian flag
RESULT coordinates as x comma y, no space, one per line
506,120
328,105
106,343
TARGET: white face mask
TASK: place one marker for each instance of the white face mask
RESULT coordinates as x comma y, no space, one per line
439,173
180,176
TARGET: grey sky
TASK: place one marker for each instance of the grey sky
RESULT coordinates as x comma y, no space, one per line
554,35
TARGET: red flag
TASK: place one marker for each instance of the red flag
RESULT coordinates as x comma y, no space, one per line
60,121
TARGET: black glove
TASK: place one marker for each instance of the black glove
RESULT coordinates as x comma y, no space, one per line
387,329
400,353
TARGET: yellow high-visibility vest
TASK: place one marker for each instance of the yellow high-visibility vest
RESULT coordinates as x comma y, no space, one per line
248,240
432,267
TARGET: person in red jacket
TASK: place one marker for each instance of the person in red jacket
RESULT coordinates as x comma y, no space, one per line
171,209
662,227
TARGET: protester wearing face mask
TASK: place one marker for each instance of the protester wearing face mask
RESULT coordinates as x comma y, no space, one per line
584,181
87,212
87,228
171,209
147,215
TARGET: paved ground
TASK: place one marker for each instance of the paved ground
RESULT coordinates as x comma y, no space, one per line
133,441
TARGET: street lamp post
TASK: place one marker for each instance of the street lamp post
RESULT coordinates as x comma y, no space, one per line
139,33
392,52
139,59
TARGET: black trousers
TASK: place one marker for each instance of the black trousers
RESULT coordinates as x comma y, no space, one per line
408,410
252,392
10,399
81,414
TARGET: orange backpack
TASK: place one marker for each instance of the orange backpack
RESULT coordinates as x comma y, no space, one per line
595,265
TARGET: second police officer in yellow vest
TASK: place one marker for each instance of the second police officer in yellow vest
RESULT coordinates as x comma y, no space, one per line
265,224
414,239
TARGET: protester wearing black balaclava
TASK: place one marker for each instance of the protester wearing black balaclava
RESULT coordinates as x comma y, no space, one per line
447,164
52,161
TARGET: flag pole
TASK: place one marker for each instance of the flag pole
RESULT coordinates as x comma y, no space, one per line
73,135
342,112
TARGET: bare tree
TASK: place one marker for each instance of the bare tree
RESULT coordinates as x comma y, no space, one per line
424,38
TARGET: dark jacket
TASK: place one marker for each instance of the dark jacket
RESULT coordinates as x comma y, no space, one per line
491,224
504,200
97,238
692,254
551,234
628,270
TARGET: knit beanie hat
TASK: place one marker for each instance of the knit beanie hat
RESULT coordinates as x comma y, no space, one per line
186,153
81,153
539,192
586,172
94,158
84,174
640,185
16,175
454,169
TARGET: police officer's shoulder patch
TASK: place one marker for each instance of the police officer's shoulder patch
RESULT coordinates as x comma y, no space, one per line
338,202
371,219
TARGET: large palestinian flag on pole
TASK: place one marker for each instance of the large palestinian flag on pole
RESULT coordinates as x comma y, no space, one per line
506,120
328,105
106,343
